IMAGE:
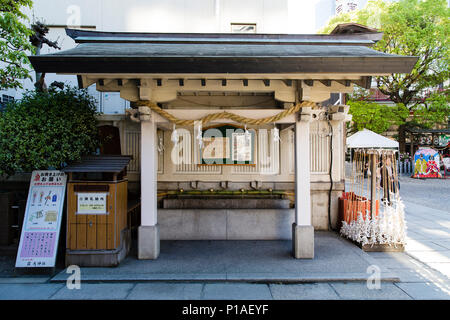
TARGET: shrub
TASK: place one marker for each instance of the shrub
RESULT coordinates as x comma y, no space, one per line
47,129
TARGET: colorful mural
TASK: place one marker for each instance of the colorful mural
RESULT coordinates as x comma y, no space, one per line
427,163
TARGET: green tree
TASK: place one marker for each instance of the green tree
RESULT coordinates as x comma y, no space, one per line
435,109
14,43
375,117
46,129
412,28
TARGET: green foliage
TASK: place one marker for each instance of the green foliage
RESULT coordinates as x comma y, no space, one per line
369,16
434,110
46,129
14,43
375,117
412,28
416,28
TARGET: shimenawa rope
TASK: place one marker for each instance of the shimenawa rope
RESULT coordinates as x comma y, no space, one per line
226,115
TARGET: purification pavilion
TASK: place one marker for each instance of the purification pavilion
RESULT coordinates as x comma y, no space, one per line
233,136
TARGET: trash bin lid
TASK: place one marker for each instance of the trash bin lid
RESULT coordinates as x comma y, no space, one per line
101,163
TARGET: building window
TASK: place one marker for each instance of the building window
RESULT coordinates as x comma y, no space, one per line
4,101
243,27
7,99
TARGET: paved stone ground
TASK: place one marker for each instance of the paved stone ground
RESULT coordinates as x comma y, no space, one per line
432,193
423,270
416,281
427,213
224,291
266,261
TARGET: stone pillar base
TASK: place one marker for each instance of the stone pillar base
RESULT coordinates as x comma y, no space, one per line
302,241
148,242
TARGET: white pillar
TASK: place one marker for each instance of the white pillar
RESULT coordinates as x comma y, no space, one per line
338,115
338,168
148,232
302,229
338,151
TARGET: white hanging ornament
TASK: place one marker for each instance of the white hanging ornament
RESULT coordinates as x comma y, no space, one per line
174,137
199,135
276,134
160,145
247,133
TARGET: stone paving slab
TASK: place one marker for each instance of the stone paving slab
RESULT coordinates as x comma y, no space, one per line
166,291
443,267
425,245
431,234
309,291
242,261
24,280
426,291
428,233
143,277
97,291
28,291
237,291
412,235
431,256
360,291
398,263
227,291
306,277
432,193
422,275
443,243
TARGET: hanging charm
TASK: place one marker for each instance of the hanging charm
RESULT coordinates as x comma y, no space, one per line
276,134
247,133
386,225
199,136
160,145
174,137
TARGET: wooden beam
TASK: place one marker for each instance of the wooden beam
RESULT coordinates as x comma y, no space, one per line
365,82
288,82
232,76
326,83
346,83
309,83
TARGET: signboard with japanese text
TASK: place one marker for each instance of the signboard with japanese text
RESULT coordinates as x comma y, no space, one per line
227,145
242,146
91,203
42,220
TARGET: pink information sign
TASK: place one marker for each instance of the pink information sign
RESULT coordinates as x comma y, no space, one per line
42,220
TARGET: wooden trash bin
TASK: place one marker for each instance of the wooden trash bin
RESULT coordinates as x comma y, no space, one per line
97,231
